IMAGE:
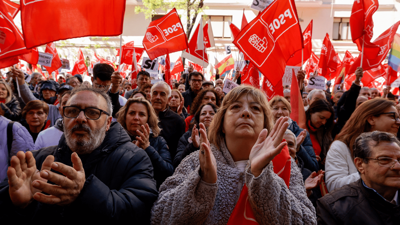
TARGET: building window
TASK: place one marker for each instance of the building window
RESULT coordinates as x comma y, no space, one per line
220,26
341,29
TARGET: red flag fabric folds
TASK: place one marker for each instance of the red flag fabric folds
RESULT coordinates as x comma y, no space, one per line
272,90
178,67
88,18
372,74
165,35
167,74
271,38
312,64
127,53
251,76
328,59
361,25
298,114
295,59
56,63
12,7
80,66
384,42
194,54
244,20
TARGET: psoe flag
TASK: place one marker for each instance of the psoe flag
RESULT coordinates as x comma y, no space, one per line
394,56
272,38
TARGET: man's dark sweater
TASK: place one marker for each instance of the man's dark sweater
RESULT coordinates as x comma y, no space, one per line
172,128
188,96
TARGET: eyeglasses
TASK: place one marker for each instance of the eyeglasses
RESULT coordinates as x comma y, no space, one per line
91,113
392,115
199,81
386,161
99,86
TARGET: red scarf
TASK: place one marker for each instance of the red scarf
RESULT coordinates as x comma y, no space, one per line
314,141
3,101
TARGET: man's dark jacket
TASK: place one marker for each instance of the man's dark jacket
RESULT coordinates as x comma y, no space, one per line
119,187
184,148
172,128
188,96
355,204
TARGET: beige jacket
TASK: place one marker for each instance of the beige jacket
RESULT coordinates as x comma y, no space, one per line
185,199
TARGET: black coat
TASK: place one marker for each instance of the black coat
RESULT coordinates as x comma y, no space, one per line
184,148
188,96
172,128
346,107
119,187
12,109
160,158
355,204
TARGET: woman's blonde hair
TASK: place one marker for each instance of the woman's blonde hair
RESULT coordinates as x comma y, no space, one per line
179,93
8,88
358,121
215,134
277,99
152,119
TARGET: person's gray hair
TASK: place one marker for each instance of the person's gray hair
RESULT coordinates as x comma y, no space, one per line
165,85
96,91
286,91
287,131
364,142
313,92
364,89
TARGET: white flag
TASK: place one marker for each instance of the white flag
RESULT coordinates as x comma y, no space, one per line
200,36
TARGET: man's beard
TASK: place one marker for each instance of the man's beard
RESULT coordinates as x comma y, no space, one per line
79,144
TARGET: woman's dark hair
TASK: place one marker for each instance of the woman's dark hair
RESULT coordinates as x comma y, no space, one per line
199,98
140,92
145,86
196,118
323,133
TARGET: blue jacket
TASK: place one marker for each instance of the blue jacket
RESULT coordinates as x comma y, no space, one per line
306,151
22,141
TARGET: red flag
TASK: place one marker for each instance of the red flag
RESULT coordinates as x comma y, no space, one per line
348,60
298,114
391,74
328,59
384,41
11,40
167,73
312,64
196,67
37,17
13,8
127,53
208,36
165,35
271,38
234,29
361,25
80,66
194,54
295,59
272,90
56,63
251,76
244,21
178,67
32,57
372,74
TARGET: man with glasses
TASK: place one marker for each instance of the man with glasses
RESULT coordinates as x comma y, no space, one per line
374,199
195,82
95,175
143,78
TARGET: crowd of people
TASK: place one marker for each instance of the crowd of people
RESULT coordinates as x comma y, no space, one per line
108,152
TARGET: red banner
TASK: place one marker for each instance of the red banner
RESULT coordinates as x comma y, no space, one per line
384,41
178,67
295,59
370,75
56,63
271,38
165,35
329,61
127,53
251,76
87,18
362,25
312,64
80,66
194,54
271,90
13,8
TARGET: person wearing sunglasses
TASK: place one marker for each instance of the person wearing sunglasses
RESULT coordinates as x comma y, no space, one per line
94,175
373,199
377,114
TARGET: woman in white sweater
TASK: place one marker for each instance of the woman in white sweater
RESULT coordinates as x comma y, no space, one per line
376,114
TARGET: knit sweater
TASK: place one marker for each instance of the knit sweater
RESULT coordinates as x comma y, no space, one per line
186,199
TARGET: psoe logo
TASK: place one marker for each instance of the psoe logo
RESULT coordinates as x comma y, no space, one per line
256,42
382,51
151,38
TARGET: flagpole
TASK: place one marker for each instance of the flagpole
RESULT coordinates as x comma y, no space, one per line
362,53
302,59
120,53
